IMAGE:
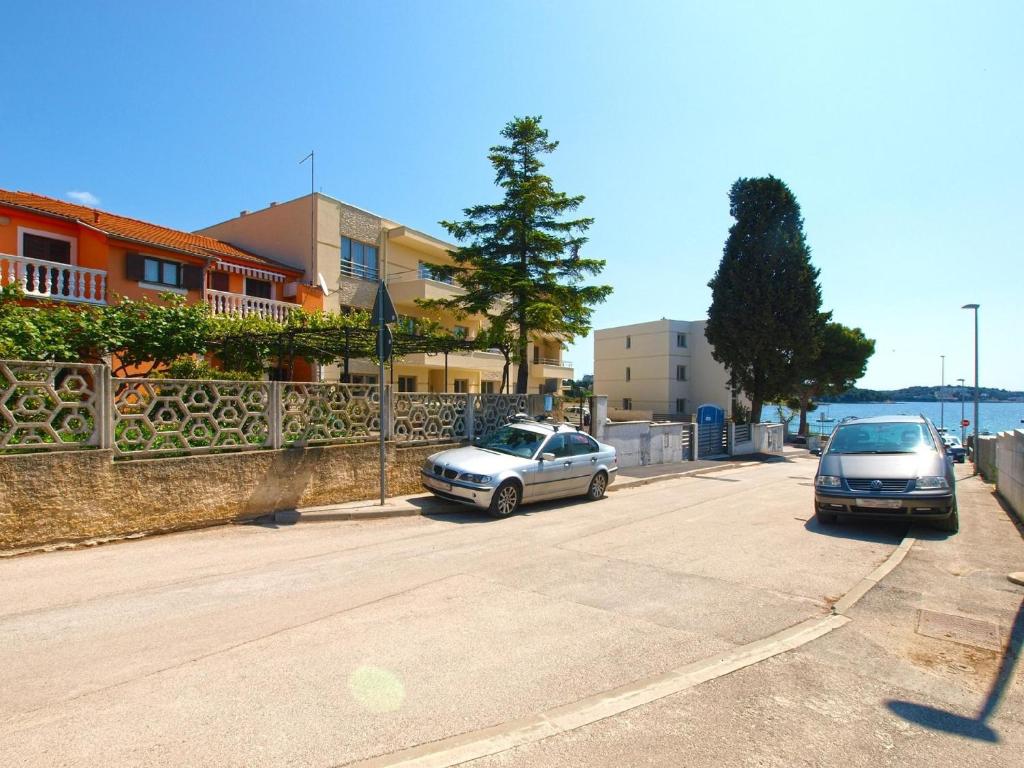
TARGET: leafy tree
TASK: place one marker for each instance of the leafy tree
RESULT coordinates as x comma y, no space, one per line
764,323
497,336
842,359
146,336
520,261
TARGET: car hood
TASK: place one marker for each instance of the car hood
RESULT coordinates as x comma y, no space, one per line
477,460
882,466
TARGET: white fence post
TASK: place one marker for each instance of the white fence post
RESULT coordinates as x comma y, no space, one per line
730,438
469,417
105,407
274,416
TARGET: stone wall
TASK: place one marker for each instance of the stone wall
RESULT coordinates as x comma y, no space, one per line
53,498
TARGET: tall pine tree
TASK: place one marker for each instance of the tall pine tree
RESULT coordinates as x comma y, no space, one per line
518,259
765,321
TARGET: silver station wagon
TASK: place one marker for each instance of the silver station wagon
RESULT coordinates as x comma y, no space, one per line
887,466
522,462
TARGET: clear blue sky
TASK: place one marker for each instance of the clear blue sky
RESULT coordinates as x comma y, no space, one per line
897,125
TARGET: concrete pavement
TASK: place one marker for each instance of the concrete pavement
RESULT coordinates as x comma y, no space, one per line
334,643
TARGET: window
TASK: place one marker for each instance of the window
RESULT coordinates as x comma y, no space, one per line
260,289
358,259
581,444
629,342
487,388
430,272
680,405
460,332
558,445
462,386
361,378
681,340
219,281
160,272
627,404
46,248
406,383
680,373
627,373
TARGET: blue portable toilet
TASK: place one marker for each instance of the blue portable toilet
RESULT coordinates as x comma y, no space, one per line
710,414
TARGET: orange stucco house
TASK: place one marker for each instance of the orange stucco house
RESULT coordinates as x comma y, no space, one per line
60,251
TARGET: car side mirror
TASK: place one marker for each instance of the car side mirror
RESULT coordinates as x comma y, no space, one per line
547,457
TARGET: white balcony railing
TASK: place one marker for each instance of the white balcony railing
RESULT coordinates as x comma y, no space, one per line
224,303
41,279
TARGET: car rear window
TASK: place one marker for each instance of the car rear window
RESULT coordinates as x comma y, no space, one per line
886,437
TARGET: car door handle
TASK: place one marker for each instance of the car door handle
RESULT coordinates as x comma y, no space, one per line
568,463
593,459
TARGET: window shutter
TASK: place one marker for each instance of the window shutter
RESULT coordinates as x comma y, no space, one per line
191,277
134,266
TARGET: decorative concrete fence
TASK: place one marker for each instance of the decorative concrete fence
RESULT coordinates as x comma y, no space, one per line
66,406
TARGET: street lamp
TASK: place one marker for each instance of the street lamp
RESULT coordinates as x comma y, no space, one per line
963,434
942,395
976,392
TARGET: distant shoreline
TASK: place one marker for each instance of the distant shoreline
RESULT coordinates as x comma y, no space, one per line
912,402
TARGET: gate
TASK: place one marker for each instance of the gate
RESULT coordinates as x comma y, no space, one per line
712,431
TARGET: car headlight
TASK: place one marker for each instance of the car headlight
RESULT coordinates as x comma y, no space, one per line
931,483
469,477
827,481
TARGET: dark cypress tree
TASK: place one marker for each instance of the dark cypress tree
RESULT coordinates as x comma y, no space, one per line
519,260
765,321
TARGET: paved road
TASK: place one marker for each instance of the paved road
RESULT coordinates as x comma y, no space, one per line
325,644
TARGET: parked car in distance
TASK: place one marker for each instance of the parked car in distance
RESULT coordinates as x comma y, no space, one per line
886,466
954,448
577,414
523,462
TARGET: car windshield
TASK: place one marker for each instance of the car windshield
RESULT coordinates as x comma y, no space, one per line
953,442
514,441
891,437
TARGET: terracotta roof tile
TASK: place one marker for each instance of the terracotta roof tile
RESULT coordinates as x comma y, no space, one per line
140,231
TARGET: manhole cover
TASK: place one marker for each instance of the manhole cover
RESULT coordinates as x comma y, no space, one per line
959,629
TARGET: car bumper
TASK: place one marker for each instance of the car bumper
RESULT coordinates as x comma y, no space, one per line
463,493
923,506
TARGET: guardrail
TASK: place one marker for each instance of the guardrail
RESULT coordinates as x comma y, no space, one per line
40,279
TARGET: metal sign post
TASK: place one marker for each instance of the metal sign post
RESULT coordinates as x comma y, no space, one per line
383,313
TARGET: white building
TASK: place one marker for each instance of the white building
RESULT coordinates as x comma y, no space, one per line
663,367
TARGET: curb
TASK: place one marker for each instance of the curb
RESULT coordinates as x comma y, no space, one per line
364,510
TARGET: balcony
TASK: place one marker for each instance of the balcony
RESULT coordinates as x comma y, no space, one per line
473,360
408,290
551,368
51,281
224,303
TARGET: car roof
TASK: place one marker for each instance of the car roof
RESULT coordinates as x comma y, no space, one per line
545,427
897,418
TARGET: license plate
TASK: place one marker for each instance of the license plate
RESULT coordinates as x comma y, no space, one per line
441,486
879,503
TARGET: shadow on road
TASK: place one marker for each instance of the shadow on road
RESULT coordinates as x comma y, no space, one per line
970,727
452,512
879,532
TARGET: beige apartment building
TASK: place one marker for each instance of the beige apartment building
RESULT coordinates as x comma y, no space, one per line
663,367
349,248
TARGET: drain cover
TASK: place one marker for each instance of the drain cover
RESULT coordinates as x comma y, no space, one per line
959,629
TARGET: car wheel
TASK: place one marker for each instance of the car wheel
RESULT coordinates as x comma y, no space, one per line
826,518
598,485
505,500
952,523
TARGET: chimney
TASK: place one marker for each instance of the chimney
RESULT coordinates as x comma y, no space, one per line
243,213
95,216
273,203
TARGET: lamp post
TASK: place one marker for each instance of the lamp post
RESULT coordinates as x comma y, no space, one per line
963,433
976,391
942,395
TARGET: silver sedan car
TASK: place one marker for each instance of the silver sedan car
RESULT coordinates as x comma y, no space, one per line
522,462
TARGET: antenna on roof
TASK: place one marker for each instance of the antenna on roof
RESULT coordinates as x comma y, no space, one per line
312,206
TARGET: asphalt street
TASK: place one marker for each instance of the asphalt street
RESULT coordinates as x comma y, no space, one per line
332,643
